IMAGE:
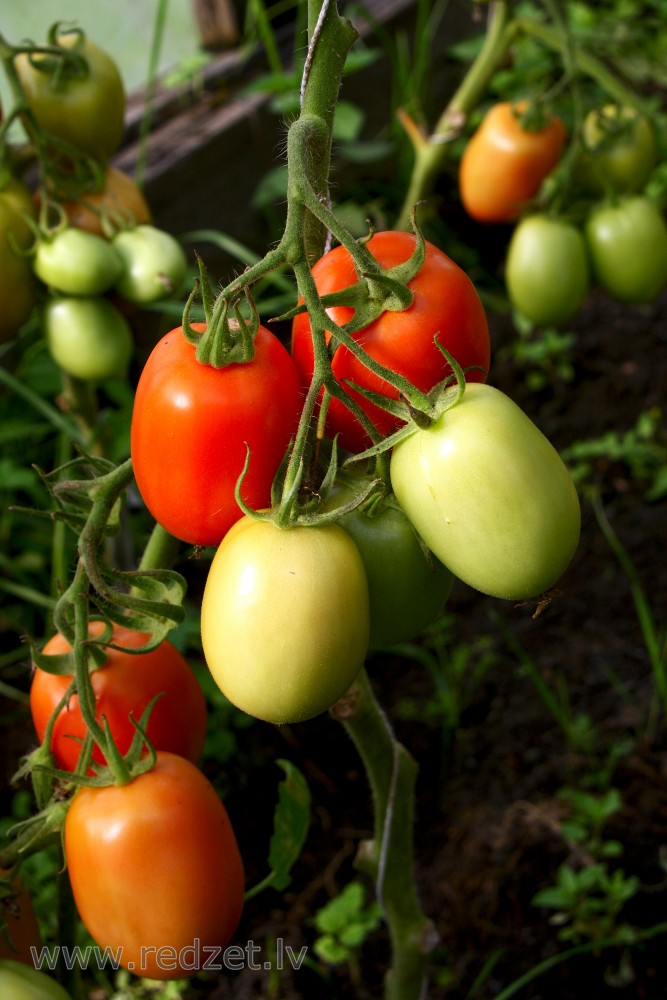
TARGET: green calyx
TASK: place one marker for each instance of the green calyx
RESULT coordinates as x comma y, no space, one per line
225,340
377,290
59,62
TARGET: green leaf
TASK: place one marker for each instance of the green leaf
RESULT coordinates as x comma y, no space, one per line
342,910
348,121
330,951
291,820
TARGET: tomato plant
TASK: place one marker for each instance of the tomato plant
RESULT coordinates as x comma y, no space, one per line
407,586
285,618
75,262
119,200
504,163
489,495
18,291
619,152
87,337
547,271
627,241
200,420
123,686
445,303
19,981
154,265
82,101
155,868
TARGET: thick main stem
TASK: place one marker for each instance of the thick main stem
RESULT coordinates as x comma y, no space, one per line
388,858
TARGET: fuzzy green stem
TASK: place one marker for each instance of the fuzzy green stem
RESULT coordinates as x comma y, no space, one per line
392,774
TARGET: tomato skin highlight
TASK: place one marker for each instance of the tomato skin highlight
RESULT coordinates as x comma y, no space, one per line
547,271
87,111
627,242
445,303
125,684
490,496
285,618
195,421
155,868
503,164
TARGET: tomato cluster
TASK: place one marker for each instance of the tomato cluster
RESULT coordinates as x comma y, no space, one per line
301,585
603,238
80,249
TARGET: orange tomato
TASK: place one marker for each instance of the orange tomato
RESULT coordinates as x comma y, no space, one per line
504,164
119,199
155,869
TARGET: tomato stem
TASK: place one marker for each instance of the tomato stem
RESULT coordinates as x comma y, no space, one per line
388,858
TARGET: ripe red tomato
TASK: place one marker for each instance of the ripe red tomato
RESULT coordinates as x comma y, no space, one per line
155,869
190,427
445,303
504,164
125,684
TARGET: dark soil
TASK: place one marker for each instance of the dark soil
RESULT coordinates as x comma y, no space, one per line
488,822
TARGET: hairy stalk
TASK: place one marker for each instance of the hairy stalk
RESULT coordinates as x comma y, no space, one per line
388,858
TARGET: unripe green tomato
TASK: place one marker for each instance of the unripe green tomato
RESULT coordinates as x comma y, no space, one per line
285,618
627,242
154,265
19,981
620,150
407,586
18,288
84,108
547,272
88,338
489,495
76,262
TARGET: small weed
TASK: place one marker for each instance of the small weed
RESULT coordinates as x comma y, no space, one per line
343,925
642,450
588,895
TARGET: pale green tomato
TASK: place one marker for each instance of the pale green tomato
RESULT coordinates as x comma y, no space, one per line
19,981
87,337
154,265
285,618
627,241
77,263
547,272
489,495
